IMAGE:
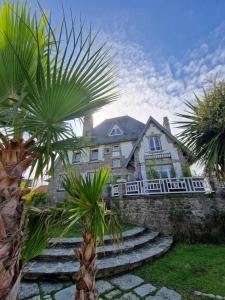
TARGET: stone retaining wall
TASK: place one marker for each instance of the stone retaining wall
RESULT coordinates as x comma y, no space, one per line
170,213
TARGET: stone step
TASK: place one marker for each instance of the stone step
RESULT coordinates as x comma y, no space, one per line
75,242
56,254
107,266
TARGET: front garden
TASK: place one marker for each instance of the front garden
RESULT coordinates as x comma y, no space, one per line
187,268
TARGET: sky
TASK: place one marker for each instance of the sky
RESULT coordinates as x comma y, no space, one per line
166,50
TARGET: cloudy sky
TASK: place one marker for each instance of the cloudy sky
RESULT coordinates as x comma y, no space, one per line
165,50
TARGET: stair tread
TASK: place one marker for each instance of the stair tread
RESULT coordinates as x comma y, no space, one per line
125,234
122,246
148,251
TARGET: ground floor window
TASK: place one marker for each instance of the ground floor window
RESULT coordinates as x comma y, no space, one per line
160,171
60,183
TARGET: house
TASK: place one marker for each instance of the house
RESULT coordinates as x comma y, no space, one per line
132,149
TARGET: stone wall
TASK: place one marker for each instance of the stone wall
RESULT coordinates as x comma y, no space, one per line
166,212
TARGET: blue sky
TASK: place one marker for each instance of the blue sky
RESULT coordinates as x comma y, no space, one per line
165,49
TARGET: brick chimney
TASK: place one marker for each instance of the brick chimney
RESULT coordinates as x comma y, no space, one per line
166,124
88,126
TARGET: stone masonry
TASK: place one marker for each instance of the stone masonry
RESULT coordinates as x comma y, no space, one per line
164,212
125,287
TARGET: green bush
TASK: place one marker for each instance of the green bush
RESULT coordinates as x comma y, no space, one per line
186,171
152,174
40,198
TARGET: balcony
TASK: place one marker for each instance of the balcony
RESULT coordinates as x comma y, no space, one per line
163,186
157,156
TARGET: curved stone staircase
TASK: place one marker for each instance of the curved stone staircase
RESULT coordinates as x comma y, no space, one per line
58,263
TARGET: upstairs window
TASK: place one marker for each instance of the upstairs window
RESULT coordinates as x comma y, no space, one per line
76,157
94,154
116,130
116,148
154,143
116,151
116,163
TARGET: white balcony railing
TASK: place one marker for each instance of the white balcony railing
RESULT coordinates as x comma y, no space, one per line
163,186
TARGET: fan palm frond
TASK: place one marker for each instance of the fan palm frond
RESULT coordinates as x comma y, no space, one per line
87,205
203,128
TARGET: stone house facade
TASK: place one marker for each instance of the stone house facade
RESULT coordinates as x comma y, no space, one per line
133,150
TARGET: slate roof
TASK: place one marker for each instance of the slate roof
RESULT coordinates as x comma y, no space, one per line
131,130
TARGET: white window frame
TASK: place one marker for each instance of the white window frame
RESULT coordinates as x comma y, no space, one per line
92,150
116,147
164,168
76,161
117,129
153,139
59,183
117,166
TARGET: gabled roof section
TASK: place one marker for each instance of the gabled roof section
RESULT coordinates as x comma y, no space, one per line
131,128
184,149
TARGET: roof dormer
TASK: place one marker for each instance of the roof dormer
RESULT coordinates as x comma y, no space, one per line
115,130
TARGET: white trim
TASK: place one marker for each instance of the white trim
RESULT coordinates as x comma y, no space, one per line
94,149
164,186
117,128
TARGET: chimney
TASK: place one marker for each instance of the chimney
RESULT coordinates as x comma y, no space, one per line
166,124
88,126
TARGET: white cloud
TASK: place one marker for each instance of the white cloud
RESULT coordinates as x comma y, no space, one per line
159,90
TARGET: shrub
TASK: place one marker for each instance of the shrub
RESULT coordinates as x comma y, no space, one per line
40,199
186,171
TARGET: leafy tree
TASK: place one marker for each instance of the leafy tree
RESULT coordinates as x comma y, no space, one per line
203,128
47,78
88,207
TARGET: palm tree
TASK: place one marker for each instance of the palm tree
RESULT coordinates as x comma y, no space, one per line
47,79
203,128
88,207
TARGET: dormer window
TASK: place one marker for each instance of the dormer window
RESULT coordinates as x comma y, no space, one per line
116,130
154,143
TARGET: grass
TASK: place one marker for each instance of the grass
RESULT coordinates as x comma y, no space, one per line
76,230
187,268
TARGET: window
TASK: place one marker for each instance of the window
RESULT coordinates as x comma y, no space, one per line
60,183
116,163
94,154
115,131
116,150
155,144
76,157
161,171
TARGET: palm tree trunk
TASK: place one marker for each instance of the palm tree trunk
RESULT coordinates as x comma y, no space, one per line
14,160
85,281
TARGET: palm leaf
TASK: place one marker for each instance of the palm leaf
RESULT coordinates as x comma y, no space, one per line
87,205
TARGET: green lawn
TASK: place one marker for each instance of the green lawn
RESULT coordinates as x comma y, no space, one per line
187,268
75,231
